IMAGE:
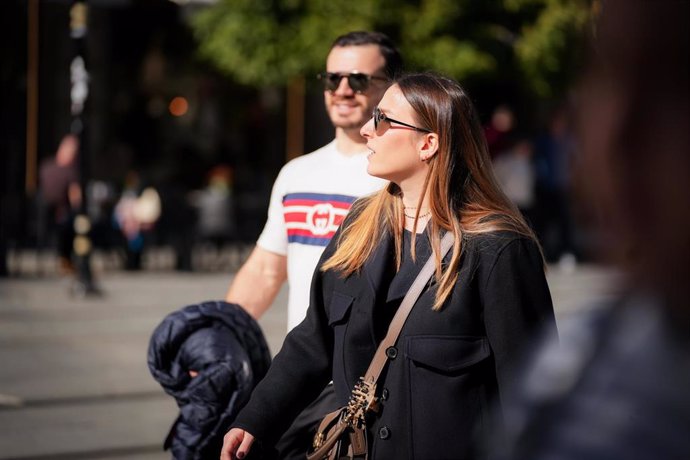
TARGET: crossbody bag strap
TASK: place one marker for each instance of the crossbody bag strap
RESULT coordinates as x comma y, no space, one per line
396,325
351,418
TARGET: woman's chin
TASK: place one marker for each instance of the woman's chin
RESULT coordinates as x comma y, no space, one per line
375,172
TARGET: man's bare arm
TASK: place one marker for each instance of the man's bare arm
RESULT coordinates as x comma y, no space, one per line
258,281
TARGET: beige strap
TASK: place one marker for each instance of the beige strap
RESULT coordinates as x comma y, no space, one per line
334,424
380,358
326,437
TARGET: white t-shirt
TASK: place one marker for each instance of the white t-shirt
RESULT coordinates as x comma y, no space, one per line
310,198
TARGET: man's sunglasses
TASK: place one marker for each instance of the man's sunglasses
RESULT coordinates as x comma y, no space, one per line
359,82
380,116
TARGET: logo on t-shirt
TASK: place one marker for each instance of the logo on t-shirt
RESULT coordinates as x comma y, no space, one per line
313,218
321,218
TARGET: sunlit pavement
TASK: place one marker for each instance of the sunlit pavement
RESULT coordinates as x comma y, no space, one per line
74,382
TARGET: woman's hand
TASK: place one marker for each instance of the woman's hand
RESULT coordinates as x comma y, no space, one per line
236,444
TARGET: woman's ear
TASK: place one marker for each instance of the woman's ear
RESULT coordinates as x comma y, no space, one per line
428,146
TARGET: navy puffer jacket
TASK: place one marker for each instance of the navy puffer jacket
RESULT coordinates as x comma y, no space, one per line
226,347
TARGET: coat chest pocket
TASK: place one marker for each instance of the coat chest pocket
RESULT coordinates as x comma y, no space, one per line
447,354
448,378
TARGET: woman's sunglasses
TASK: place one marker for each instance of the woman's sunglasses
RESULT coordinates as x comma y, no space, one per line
359,82
379,116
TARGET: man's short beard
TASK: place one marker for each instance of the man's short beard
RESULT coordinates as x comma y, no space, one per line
350,126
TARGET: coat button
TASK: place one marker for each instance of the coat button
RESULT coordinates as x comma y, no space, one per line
391,352
384,394
384,432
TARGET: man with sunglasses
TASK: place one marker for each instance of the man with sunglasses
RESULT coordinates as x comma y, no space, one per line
311,196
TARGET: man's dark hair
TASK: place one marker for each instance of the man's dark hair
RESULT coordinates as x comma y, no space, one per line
389,51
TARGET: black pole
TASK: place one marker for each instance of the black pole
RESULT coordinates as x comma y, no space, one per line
82,245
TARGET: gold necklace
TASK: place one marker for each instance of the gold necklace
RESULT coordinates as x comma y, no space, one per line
421,216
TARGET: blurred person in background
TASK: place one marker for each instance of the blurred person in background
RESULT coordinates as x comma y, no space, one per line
61,197
499,128
617,387
514,170
554,152
135,215
215,207
311,196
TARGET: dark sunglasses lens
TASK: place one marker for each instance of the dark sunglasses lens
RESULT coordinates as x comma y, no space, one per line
358,81
331,81
377,118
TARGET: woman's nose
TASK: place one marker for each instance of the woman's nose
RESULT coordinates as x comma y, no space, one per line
367,130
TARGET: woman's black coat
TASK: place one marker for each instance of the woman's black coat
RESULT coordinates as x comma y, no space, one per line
449,367
227,348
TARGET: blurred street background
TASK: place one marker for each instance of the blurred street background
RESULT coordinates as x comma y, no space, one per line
174,118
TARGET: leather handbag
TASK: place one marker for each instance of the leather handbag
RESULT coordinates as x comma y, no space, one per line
342,433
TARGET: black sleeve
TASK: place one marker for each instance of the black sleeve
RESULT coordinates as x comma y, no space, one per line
517,305
299,372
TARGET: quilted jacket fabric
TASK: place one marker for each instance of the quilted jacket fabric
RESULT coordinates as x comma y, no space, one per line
226,347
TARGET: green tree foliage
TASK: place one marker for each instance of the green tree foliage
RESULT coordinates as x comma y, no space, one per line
269,42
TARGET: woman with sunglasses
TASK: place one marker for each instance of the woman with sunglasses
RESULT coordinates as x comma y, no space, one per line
485,303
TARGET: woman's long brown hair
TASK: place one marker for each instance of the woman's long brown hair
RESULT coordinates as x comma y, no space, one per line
464,196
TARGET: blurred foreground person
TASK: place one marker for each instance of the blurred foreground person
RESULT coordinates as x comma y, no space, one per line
486,301
619,385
